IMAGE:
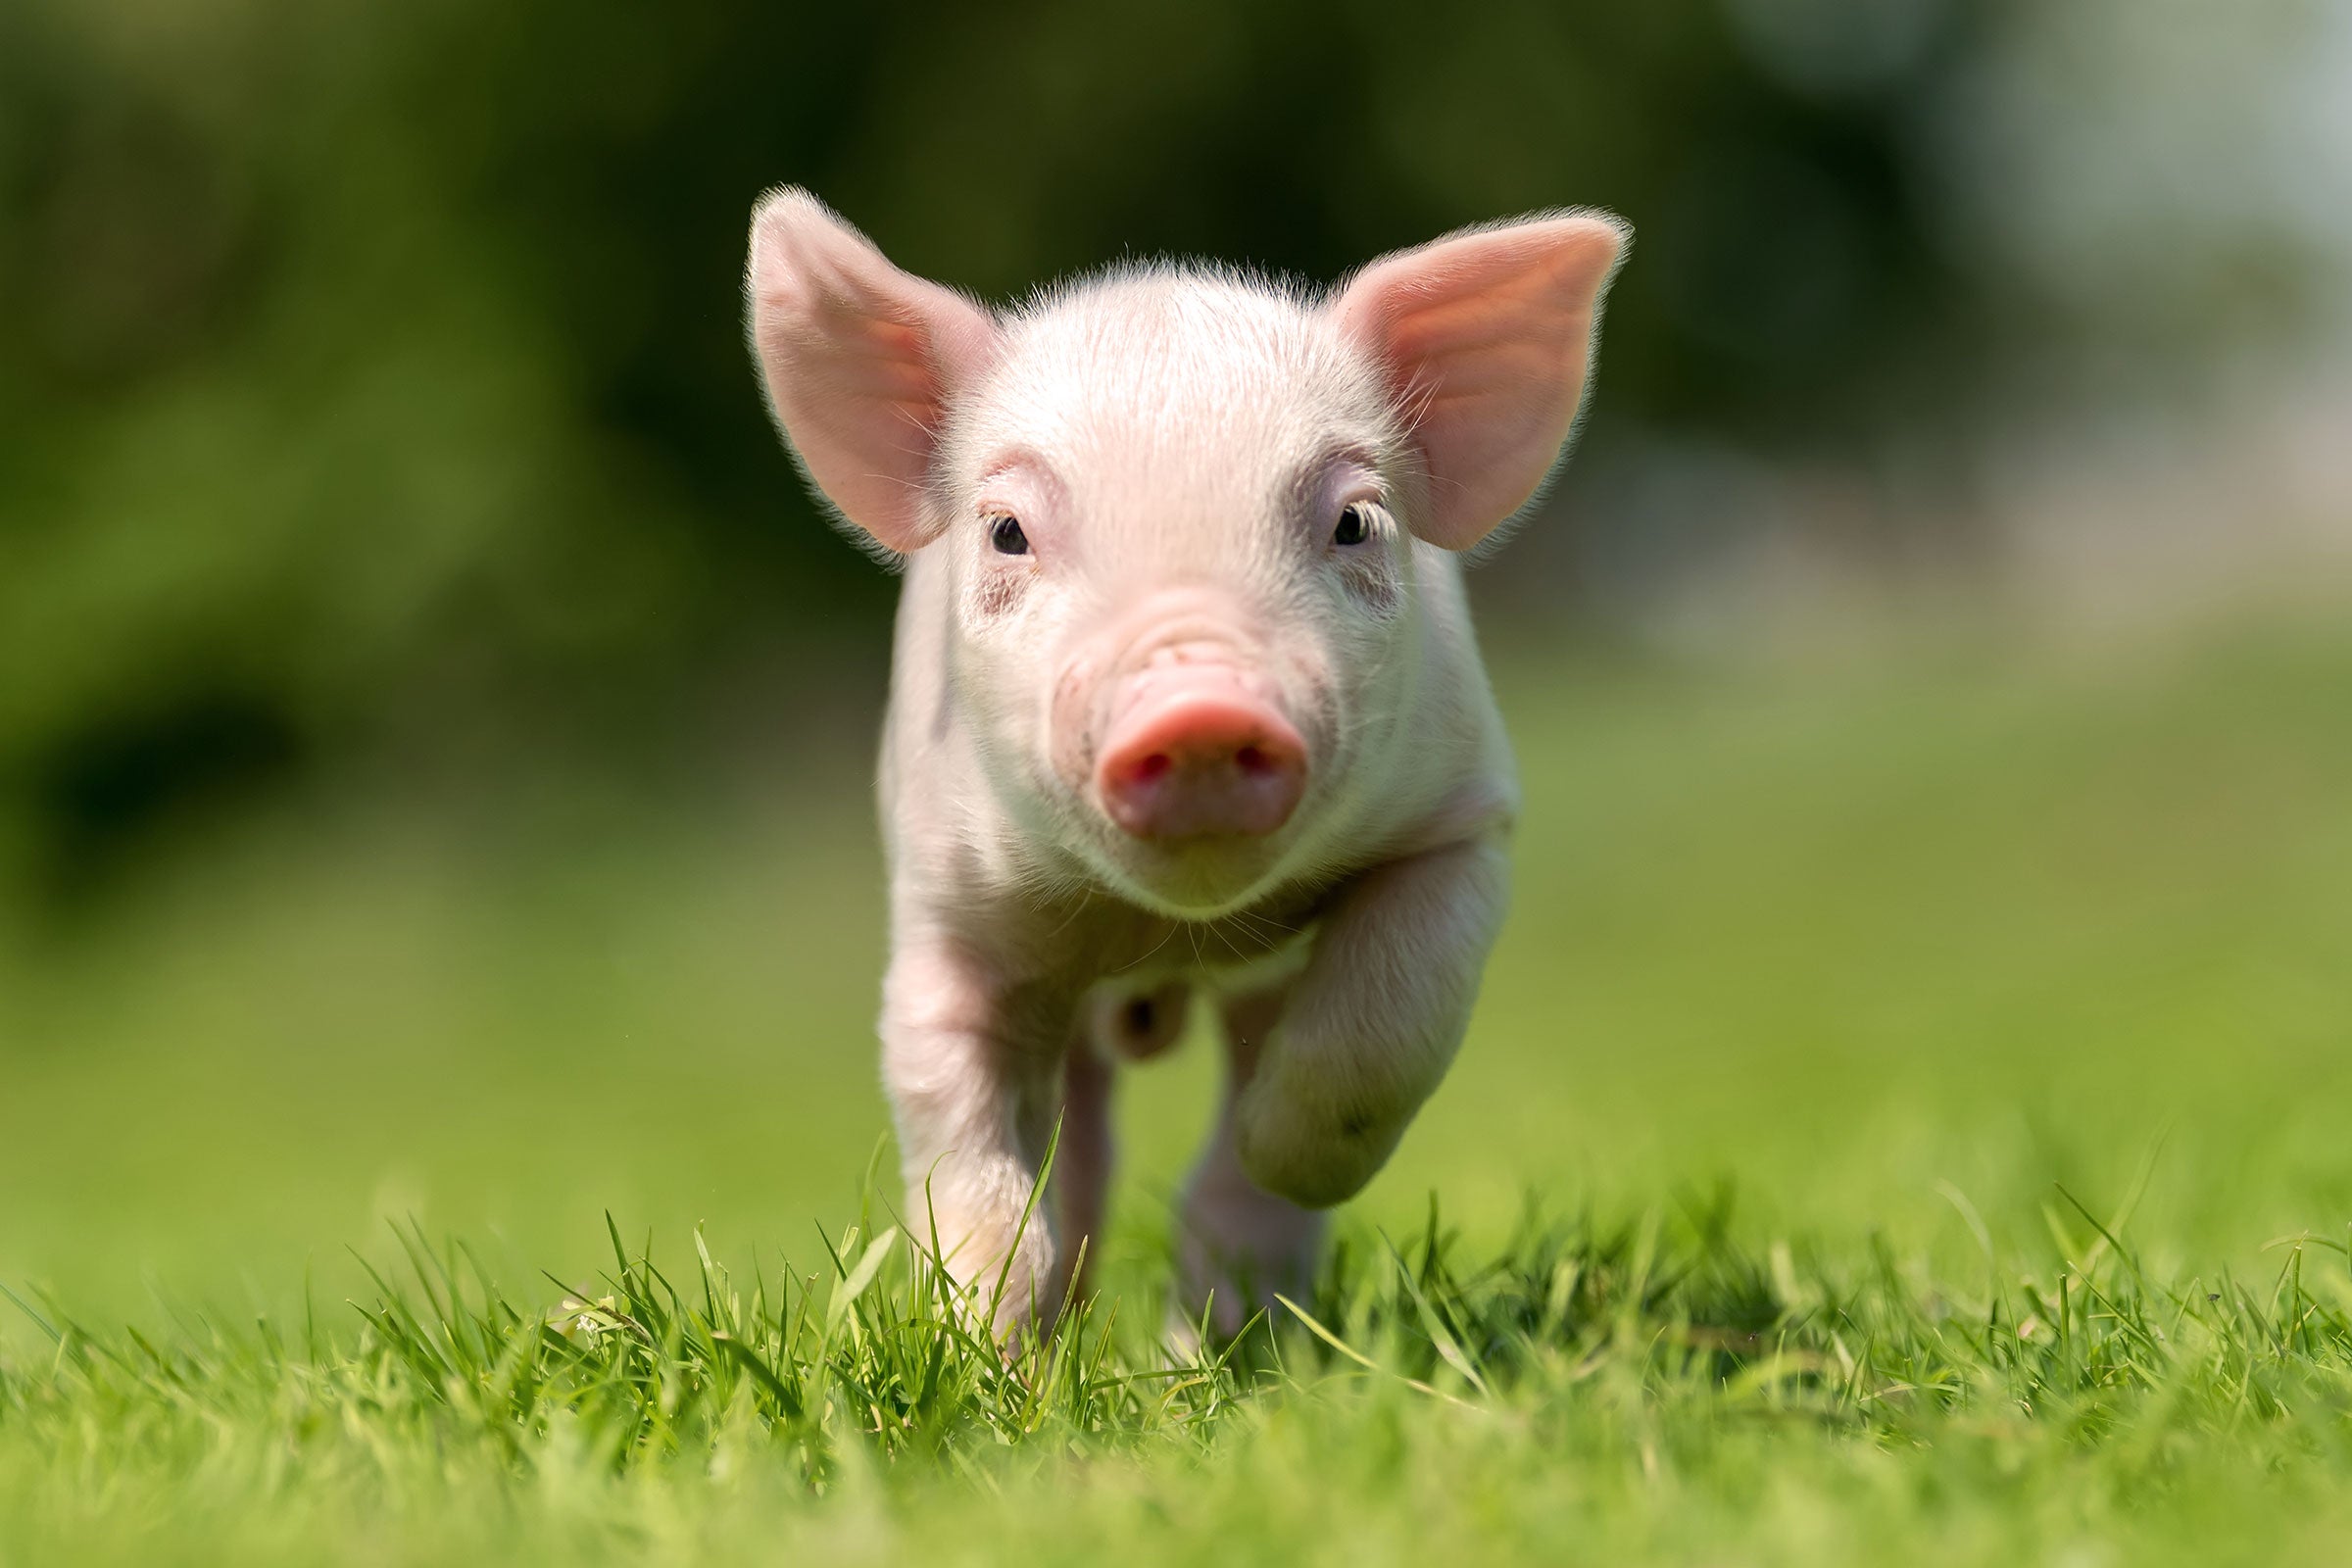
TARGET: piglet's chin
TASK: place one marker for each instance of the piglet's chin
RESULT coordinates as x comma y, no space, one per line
1198,878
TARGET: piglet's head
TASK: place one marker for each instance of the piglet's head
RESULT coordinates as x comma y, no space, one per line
1186,518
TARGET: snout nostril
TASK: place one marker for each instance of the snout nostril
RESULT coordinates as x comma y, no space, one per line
1206,759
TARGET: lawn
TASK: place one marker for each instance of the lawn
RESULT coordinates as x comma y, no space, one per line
1907,1116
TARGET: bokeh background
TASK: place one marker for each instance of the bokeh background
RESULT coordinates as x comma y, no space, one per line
435,727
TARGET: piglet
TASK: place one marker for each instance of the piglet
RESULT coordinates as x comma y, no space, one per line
1185,700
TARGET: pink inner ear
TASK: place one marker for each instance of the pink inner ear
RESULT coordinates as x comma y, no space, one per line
1485,338
860,360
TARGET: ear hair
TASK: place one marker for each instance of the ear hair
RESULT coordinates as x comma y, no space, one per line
860,360
1486,338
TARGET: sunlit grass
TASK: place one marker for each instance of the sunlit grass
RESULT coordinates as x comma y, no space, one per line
2008,996
1659,1358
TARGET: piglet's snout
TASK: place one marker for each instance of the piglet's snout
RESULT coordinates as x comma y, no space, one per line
1196,751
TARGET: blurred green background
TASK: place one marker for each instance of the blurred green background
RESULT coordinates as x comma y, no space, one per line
434,725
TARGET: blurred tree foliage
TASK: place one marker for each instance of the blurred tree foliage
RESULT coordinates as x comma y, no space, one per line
373,373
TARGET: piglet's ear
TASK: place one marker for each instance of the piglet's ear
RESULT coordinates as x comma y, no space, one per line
860,361
1485,337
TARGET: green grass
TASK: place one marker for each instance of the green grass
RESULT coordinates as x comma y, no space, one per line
1582,1393
2009,998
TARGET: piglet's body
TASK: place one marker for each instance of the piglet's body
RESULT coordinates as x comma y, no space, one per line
1186,704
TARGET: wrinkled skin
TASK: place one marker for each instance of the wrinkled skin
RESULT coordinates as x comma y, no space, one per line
1186,704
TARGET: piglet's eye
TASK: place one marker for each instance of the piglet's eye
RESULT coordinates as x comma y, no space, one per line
1006,536
1354,527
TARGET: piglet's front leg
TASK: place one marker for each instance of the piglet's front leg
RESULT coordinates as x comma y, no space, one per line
973,1096
1372,1022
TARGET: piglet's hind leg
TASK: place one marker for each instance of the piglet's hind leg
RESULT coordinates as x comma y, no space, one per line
1239,1245
1082,1166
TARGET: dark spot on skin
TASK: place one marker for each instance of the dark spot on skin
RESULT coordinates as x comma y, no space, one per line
1139,1016
1356,1124
999,591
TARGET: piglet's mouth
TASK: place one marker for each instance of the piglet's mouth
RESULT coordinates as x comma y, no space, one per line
1196,752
